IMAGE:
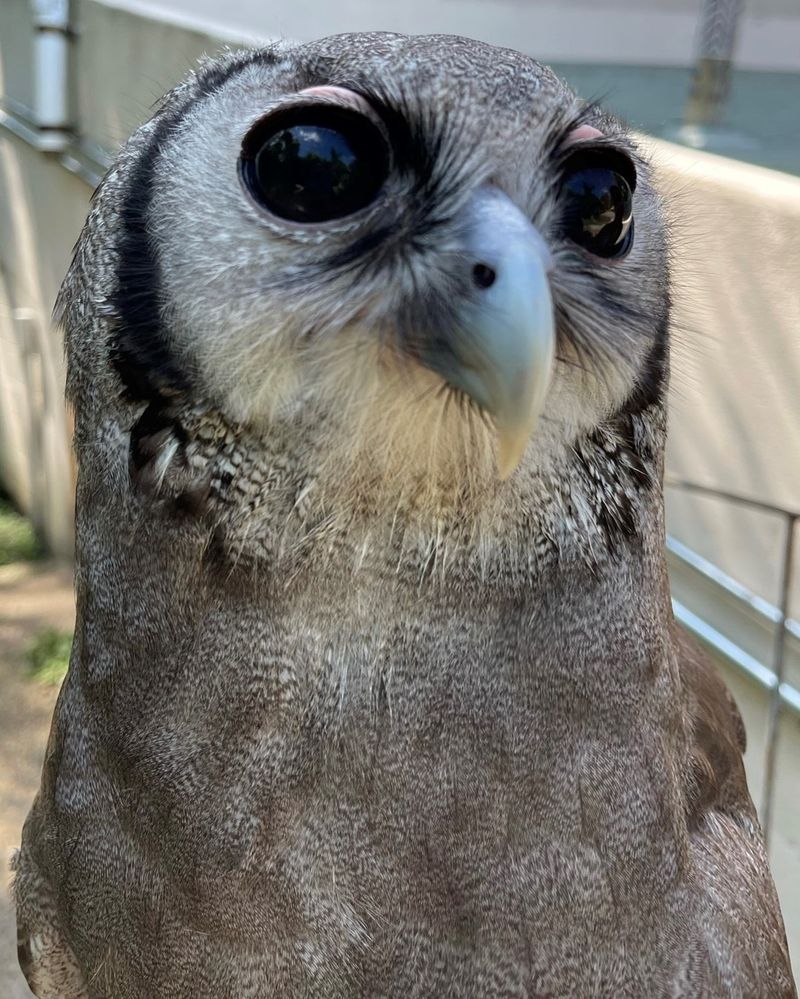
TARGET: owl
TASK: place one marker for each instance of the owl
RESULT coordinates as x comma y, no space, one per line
376,691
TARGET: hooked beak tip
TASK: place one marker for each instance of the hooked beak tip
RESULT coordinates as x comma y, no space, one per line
511,444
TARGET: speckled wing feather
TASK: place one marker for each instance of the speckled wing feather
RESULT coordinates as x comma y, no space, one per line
724,826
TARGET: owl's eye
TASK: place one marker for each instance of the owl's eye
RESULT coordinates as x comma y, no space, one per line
314,163
597,202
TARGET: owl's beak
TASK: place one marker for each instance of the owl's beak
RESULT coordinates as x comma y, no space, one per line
502,353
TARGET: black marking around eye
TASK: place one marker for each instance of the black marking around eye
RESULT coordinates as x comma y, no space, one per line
651,383
139,350
361,248
427,158
415,144
426,150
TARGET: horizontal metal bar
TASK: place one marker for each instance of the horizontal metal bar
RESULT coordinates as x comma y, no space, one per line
696,487
729,650
20,128
762,607
74,157
84,167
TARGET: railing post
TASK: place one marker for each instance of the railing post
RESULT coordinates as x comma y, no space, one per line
712,71
51,74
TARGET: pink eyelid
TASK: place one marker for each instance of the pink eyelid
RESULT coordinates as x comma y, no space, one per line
582,133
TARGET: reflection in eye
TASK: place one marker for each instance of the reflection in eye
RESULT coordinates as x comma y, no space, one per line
598,210
314,164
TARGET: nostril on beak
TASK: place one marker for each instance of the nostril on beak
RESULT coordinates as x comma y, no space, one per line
483,276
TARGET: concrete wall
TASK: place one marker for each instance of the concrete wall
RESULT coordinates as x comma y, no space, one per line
42,207
735,414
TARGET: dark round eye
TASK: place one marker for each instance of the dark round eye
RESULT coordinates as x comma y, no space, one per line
597,205
314,163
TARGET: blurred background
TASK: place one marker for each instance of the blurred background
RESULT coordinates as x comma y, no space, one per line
713,86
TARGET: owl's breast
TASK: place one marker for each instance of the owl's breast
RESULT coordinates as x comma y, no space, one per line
270,815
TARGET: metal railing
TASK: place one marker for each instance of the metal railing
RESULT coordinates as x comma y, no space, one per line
773,678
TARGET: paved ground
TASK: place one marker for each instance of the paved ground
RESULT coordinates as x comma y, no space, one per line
32,597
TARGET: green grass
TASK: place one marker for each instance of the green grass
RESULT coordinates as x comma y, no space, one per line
18,542
48,655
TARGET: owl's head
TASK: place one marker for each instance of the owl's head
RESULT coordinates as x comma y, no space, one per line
419,257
